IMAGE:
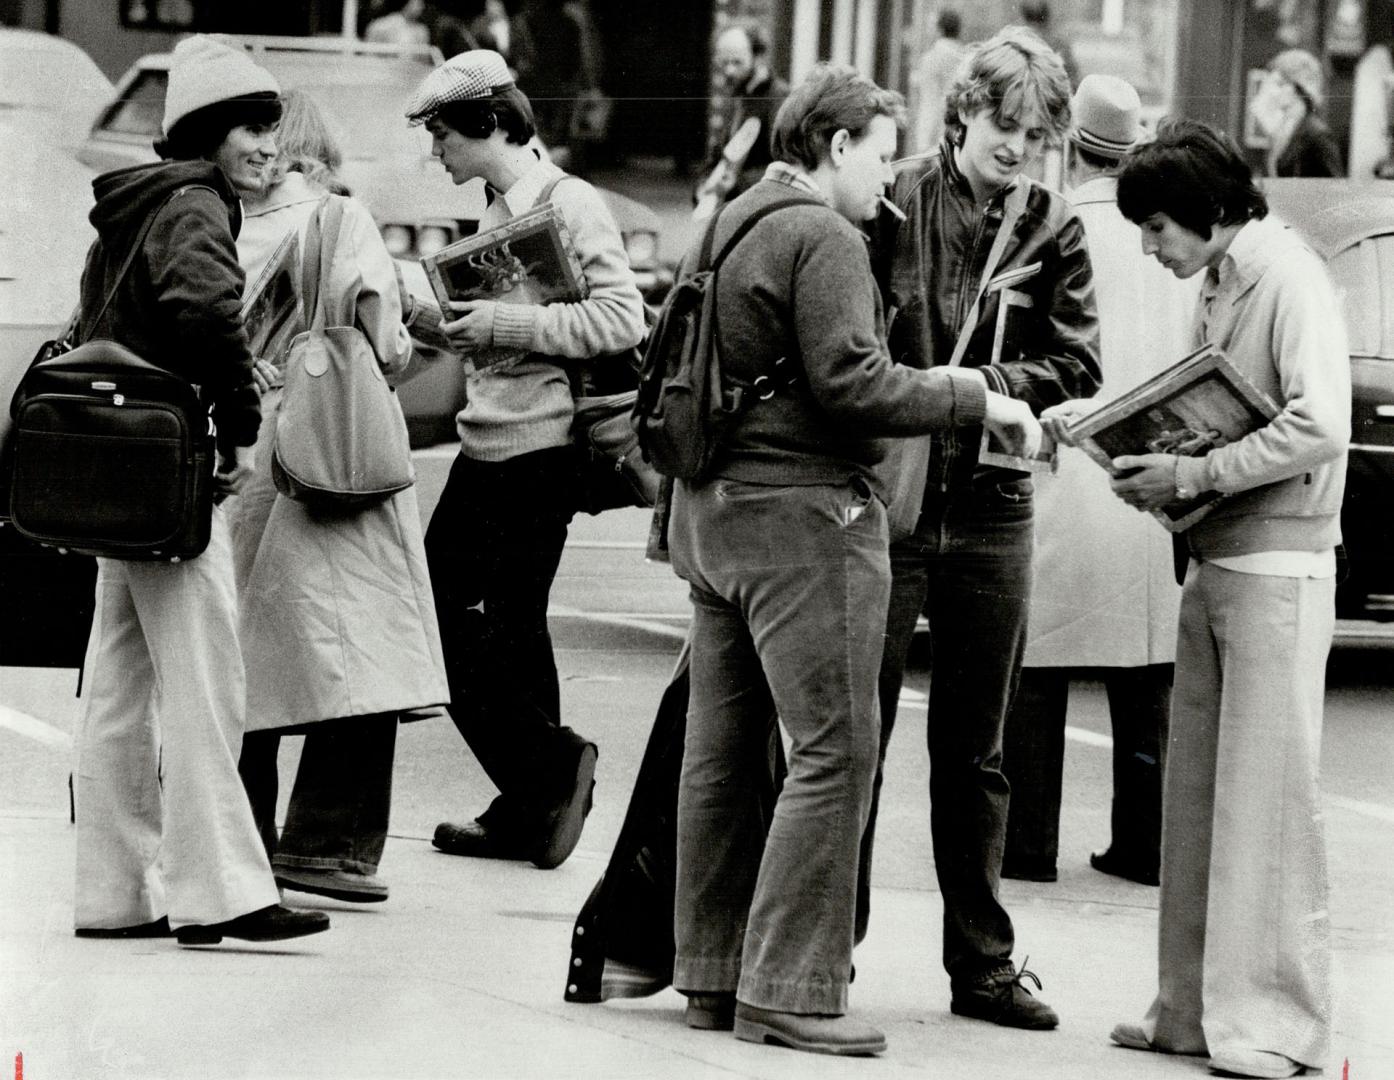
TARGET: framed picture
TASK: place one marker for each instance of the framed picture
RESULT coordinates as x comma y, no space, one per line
1201,403
529,260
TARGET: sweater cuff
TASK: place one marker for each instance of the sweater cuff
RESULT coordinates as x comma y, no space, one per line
1192,474
515,325
970,395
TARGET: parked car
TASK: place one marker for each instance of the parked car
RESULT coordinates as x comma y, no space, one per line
1351,226
364,89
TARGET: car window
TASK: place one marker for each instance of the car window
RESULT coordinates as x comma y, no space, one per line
141,109
1363,275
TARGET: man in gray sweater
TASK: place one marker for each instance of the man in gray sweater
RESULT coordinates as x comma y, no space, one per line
785,548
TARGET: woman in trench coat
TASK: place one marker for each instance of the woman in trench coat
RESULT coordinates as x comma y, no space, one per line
338,622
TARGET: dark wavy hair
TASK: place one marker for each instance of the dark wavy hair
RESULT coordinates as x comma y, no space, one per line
1192,173
201,132
510,110
831,98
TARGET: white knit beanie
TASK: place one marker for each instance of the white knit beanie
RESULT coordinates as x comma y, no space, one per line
205,70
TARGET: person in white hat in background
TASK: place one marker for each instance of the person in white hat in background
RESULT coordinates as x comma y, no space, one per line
166,843
1288,110
496,536
1104,602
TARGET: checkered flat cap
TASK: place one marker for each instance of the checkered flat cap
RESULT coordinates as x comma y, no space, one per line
466,76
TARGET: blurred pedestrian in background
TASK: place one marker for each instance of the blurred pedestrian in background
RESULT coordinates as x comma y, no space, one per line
1244,948
1036,15
784,546
557,54
496,536
400,24
1288,110
338,625
961,531
165,838
1103,594
754,94
930,82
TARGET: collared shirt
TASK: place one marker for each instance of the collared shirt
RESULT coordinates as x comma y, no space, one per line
521,197
781,172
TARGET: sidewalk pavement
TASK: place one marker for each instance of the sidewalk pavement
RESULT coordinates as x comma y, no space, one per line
460,974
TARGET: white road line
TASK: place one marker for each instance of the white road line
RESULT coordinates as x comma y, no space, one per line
33,728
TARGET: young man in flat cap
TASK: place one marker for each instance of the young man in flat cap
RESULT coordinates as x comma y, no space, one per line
1104,596
496,537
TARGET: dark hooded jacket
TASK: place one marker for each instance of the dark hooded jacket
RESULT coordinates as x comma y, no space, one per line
180,305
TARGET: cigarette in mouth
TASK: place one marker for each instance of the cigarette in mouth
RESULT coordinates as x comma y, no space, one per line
897,211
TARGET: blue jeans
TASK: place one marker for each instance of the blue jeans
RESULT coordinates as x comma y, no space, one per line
967,568
789,592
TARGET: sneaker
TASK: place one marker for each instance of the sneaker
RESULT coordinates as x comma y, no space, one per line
332,882
274,923
711,1012
812,1033
1003,999
621,980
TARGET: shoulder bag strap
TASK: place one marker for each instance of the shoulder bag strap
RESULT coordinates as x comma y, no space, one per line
316,259
1012,210
130,258
745,227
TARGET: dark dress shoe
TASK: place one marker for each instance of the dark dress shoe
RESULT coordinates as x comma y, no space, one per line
475,840
332,882
274,923
815,1034
158,928
1108,863
566,819
1025,870
1002,999
621,980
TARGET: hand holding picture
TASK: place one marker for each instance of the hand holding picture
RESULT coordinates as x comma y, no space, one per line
473,325
1013,424
1145,481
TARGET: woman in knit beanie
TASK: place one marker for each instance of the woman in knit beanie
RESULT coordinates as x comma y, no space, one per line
166,842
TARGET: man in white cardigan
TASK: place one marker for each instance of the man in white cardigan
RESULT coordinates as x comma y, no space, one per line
496,537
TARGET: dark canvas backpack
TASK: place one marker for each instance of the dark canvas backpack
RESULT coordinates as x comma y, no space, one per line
686,404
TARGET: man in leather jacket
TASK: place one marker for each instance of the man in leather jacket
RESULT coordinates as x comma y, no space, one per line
966,563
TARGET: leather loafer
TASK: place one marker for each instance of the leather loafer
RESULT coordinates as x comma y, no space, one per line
1002,999
1107,863
1261,1063
568,817
473,839
332,882
711,1012
1027,871
274,923
815,1034
158,928
620,980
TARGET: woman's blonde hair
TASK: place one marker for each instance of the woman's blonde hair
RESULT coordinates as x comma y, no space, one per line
305,143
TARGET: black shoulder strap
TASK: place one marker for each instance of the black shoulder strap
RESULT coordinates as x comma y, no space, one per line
743,228
133,252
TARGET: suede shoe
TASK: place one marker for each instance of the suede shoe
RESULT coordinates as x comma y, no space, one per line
621,980
815,1034
1261,1063
274,923
158,928
475,840
1002,999
1106,862
711,1012
332,882
568,817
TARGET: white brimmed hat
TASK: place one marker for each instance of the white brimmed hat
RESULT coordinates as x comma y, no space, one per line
466,76
204,71
1105,116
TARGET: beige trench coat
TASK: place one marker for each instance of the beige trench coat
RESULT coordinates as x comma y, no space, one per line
337,615
1104,592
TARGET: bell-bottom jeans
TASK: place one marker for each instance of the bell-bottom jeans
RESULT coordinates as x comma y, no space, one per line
789,590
